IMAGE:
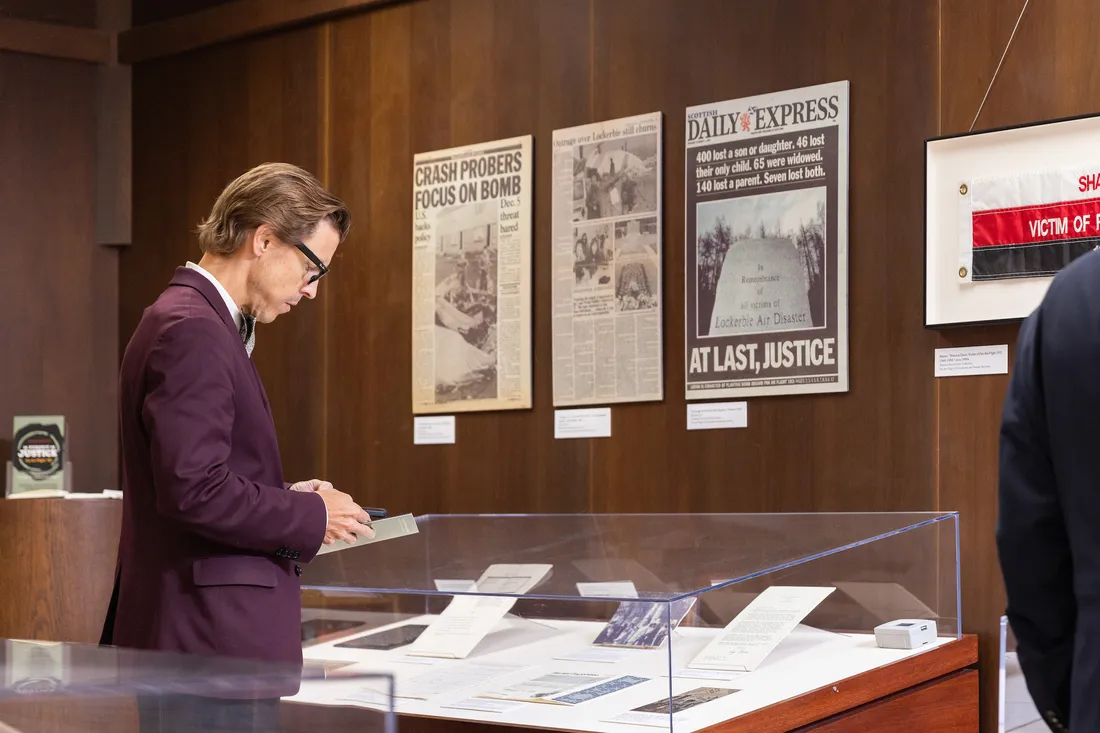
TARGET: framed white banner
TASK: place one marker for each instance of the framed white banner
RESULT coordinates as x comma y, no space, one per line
1005,211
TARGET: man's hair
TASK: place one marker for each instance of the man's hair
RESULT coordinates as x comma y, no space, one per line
285,197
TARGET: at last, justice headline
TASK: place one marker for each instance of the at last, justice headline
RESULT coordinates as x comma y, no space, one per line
753,358
468,180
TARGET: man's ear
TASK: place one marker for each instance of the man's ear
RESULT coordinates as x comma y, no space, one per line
261,240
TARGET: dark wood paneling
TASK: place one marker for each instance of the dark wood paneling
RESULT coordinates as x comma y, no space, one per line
58,569
949,705
57,289
208,22
200,121
54,41
794,456
63,12
153,11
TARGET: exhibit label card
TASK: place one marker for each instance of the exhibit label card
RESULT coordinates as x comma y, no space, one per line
469,619
593,422
606,271
471,289
969,361
717,415
434,430
757,630
766,270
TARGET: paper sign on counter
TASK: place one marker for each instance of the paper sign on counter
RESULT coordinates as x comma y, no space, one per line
759,628
469,619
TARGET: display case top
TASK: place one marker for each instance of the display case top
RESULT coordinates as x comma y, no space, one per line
624,556
45,670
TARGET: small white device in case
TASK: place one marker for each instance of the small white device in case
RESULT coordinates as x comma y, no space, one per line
905,633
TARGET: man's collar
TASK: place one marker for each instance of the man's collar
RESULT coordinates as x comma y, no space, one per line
234,309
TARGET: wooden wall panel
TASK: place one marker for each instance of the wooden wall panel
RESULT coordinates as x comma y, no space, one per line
63,12
793,457
57,289
199,121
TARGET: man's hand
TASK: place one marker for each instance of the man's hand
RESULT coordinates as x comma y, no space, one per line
346,519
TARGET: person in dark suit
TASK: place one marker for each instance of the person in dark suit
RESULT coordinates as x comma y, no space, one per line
1048,524
213,538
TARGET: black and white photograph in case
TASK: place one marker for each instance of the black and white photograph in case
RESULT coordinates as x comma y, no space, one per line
471,278
614,178
685,700
643,625
606,301
766,261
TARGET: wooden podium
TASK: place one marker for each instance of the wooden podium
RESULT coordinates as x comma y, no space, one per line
58,567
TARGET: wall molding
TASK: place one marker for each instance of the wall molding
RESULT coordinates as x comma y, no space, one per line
231,21
56,41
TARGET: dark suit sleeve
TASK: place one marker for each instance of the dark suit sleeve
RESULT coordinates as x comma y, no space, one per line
1031,535
188,412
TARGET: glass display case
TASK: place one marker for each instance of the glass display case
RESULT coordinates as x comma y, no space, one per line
55,687
1016,711
618,622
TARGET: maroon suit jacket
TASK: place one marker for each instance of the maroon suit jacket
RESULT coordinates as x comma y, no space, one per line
211,539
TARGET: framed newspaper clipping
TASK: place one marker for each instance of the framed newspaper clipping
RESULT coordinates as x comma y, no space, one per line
1005,210
471,321
766,255
606,293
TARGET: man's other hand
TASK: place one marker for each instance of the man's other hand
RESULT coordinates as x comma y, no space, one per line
346,519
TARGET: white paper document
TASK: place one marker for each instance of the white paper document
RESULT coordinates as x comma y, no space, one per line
545,687
584,423
603,654
624,589
484,705
438,430
469,619
717,415
446,680
756,631
972,360
384,529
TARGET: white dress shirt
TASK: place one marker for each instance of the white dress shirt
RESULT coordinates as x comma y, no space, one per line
234,309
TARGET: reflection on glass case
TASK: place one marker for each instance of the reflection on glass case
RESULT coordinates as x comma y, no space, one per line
631,622
55,687
1016,711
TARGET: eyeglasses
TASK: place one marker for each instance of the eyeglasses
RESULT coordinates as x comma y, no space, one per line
322,270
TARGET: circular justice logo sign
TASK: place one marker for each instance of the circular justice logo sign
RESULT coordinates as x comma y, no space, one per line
38,450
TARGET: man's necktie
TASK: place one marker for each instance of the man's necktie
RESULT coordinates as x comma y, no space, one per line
248,333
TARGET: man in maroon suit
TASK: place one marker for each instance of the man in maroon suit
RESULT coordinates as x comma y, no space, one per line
212,537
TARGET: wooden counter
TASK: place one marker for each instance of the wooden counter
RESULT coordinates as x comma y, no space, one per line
57,564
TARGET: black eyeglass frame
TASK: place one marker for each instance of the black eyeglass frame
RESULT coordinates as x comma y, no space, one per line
315,260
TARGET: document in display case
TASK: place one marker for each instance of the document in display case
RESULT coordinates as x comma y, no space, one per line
55,687
612,623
